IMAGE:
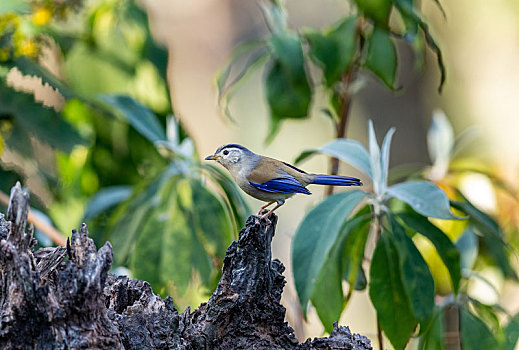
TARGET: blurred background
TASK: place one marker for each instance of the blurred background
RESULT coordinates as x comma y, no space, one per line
96,49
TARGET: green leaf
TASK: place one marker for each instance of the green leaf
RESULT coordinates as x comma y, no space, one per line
440,138
287,88
356,233
139,116
21,7
44,123
433,337
376,10
238,206
388,295
211,219
384,158
105,199
381,57
130,216
475,334
316,236
414,21
152,245
328,297
445,248
29,67
511,331
349,151
424,197
491,236
416,276
468,248
253,51
334,49
374,158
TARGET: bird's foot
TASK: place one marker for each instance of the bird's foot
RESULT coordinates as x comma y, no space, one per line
264,214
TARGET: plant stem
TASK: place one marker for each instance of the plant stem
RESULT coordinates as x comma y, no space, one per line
451,333
377,219
340,127
379,336
345,97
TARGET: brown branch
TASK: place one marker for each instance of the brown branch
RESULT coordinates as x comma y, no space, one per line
45,228
345,98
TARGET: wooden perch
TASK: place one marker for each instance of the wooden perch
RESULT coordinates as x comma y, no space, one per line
64,298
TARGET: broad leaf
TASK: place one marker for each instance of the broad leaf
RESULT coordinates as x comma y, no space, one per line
235,200
468,248
315,237
433,337
475,334
440,143
445,248
353,251
130,216
424,197
252,51
414,21
105,199
382,57
416,276
349,151
211,219
44,123
491,236
511,331
384,159
335,49
28,67
139,116
15,6
388,295
328,297
287,88
377,10
374,157
440,138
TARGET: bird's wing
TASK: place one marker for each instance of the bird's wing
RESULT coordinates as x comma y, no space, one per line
272,176
282,185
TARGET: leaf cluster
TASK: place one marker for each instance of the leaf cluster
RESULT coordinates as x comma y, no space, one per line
363,40
331,246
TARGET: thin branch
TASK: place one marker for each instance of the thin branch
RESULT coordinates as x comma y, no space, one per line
41,225
379,336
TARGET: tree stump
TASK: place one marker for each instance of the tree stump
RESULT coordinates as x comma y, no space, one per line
64,298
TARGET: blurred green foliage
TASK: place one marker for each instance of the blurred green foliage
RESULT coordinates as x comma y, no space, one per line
120,160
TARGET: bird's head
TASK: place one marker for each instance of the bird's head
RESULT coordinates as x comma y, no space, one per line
231,155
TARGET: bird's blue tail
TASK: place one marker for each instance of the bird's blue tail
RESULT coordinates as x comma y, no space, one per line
336,180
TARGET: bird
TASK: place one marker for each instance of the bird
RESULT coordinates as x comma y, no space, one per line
271,180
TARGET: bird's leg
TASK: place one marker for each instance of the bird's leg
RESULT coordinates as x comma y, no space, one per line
263,207
280,203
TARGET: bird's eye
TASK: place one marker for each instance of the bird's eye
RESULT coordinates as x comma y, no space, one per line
226,152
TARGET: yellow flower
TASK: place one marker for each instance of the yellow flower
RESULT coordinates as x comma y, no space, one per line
41,16
26,47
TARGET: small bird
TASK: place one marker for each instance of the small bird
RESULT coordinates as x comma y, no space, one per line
268,179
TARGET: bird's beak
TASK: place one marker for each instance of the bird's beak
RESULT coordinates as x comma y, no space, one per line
211,157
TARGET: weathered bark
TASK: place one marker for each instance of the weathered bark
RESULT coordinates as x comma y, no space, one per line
57,298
